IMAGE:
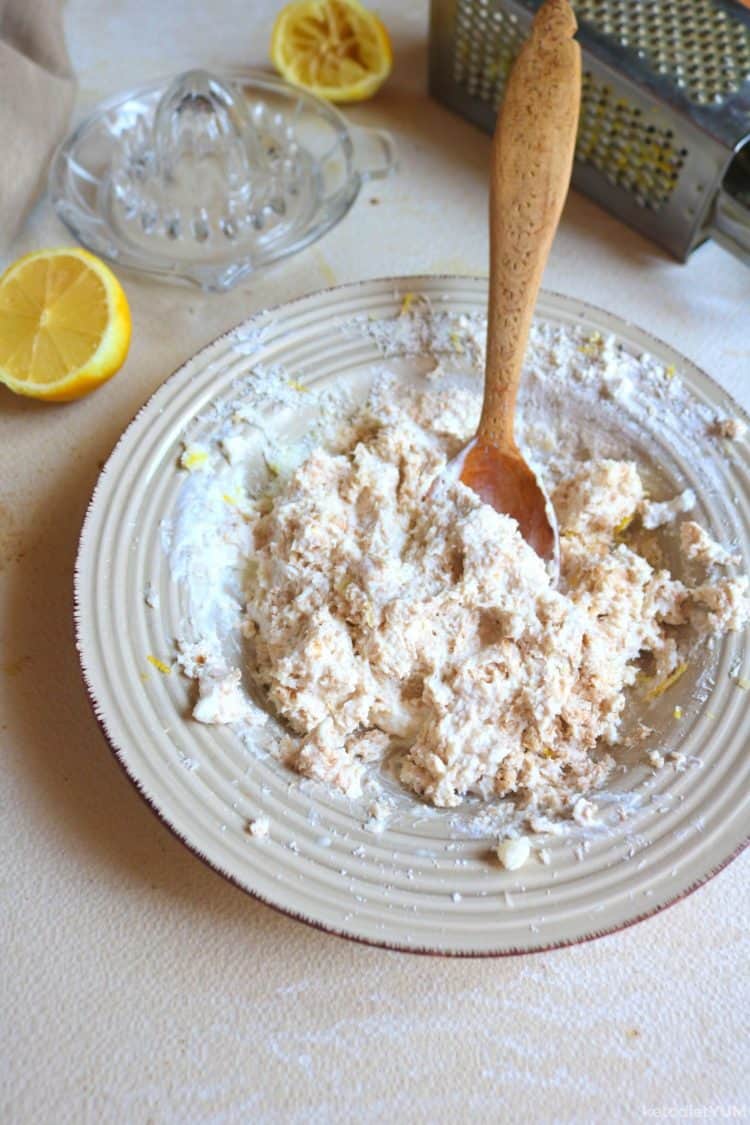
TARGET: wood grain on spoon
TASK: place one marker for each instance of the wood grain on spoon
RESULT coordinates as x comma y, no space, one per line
532,159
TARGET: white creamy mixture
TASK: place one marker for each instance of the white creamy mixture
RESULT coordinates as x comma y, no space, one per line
385,620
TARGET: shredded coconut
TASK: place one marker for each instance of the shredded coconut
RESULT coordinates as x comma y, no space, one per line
514,853
698,546
385,614
657,514
732,428
259,828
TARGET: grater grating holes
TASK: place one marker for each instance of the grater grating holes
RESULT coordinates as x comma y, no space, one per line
625,145
486,40
615,137
693,43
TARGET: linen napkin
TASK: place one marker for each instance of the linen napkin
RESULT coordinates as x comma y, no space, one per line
37,89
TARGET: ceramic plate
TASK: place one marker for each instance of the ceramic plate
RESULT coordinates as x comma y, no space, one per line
418,885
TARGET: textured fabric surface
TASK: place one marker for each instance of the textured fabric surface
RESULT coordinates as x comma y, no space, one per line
136,985
36,96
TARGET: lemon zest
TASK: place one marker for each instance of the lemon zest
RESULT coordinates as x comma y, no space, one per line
159,665
193,459
592,345
297,386
406,304
667,683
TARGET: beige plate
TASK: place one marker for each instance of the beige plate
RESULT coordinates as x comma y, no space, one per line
415,886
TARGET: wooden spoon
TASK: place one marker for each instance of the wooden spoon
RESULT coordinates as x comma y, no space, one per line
532,158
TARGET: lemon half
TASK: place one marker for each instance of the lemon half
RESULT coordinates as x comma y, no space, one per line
336,49
64,324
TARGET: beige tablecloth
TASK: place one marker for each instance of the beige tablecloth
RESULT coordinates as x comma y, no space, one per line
137,986
36,96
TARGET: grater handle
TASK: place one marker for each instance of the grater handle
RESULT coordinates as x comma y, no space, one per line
730,225
532,159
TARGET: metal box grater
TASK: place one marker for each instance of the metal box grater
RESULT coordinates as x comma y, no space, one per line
665,111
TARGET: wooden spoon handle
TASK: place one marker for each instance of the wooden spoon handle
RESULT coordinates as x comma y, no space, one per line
532,158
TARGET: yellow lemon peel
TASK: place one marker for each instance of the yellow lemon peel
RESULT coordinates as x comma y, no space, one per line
408,301
667,683
193,458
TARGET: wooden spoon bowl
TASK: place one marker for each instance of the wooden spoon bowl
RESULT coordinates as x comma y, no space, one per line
532,159
508,484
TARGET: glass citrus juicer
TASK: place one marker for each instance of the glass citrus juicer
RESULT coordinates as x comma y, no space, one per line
209,178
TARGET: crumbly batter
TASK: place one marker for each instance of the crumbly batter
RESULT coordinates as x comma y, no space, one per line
388,618
698,546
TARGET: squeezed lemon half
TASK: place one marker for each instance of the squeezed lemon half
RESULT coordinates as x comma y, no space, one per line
337,49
